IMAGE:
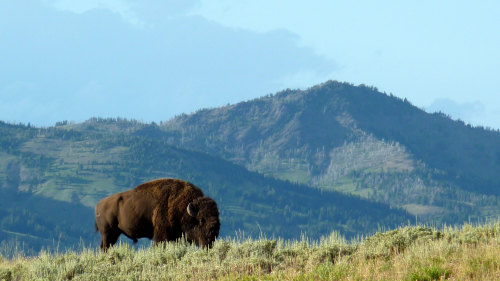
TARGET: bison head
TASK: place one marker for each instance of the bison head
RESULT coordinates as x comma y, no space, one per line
205,217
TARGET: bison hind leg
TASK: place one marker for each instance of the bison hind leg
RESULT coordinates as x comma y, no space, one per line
109,238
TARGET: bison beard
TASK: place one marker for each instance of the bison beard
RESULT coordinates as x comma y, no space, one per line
161,210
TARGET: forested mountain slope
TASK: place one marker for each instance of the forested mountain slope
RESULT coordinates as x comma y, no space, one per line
53,177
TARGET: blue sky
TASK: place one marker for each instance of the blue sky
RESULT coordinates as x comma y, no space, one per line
72,60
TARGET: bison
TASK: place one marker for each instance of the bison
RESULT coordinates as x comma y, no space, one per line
161,210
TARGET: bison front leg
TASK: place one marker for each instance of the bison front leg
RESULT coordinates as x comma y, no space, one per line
165,234
163,229
160,236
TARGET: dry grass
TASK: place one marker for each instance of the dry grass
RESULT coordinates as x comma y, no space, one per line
409,253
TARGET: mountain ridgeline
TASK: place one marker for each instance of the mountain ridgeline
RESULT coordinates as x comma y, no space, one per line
335,157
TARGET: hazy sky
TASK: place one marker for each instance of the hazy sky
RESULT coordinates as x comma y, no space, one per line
72,60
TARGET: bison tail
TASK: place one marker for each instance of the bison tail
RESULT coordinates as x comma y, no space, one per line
96,228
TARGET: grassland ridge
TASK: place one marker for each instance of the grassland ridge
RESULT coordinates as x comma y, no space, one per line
469,252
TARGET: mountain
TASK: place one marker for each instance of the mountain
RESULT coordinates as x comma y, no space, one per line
354,139
51,178
335,157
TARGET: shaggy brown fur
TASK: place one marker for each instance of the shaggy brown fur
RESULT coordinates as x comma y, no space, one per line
161,210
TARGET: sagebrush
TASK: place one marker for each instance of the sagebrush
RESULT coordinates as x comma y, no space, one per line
407,253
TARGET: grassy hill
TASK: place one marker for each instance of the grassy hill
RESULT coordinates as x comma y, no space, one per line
55,176
408,253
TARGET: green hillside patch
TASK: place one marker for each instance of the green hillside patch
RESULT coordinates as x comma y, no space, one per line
7,164
301,176
423,210
348,185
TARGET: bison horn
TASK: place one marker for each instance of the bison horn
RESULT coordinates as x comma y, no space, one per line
191,210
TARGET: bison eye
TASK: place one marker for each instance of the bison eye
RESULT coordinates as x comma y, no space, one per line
202,221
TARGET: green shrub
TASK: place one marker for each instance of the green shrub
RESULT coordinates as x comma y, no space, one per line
429,273
396,241
5,274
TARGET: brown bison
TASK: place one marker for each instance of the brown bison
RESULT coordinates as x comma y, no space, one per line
161,210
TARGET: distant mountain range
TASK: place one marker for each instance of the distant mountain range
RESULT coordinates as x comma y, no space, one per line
335,157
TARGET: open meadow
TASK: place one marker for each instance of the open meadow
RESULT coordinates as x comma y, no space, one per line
407,253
